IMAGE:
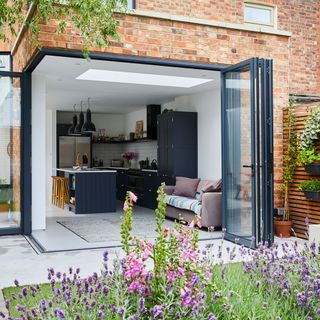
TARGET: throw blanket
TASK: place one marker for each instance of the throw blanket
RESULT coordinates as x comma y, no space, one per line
184,203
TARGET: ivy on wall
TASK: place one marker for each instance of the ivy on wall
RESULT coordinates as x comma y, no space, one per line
95,19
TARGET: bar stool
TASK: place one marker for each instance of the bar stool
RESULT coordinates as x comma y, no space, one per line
55,190
63,192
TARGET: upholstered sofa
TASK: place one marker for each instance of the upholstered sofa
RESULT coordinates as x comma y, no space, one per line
185,208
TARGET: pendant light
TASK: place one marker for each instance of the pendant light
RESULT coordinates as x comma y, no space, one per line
88,126
78,128
74,122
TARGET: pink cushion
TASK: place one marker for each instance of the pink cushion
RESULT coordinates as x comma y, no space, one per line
209,186
186,187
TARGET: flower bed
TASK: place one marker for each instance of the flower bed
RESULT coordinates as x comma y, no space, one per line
172,279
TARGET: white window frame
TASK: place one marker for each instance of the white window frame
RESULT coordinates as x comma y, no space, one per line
261,5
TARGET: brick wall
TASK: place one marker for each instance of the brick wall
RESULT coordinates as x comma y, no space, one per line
159,38
300,17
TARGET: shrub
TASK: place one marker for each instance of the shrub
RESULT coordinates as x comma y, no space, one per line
312,185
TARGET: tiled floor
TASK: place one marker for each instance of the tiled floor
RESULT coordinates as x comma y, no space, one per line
58,238
18,260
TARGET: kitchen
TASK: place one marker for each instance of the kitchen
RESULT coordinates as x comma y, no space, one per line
112,127
131,152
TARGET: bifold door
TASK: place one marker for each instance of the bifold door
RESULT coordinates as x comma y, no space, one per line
14,187
247,146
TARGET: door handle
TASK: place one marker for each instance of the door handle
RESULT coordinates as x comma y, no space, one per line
248,166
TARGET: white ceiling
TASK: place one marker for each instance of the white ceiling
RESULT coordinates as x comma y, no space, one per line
64,90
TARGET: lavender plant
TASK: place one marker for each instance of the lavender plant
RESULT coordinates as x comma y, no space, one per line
173,278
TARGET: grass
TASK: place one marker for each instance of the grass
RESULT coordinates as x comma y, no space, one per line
249,302
239,292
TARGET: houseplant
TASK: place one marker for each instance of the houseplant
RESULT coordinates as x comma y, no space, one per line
128,156
4,196
308,154
311,189
283,227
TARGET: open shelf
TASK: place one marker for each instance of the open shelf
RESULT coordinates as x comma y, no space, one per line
124,141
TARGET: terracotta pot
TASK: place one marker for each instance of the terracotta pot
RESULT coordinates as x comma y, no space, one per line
283,228
4,207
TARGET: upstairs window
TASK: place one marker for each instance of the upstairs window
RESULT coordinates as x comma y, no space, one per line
259,14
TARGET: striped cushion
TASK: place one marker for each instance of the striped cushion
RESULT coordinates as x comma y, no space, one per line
184,203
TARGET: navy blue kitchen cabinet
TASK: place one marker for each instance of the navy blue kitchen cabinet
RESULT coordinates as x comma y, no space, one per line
122,183
177,145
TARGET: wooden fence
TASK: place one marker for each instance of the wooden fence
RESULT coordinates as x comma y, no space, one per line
300,206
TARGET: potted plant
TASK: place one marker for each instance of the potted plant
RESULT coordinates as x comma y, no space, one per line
128,156
311,189
4,196
283,226
308,155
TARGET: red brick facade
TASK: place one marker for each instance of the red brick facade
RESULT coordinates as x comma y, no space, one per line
296,57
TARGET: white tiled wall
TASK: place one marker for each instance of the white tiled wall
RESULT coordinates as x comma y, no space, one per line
107,152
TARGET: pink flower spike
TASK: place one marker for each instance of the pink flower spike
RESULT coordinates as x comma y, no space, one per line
166,232
181,271
125,206
133,197
191,225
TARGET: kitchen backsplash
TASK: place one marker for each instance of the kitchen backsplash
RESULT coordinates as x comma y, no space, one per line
107,152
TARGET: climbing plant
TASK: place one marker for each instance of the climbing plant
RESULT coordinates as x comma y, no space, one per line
95,19
289,160
307,139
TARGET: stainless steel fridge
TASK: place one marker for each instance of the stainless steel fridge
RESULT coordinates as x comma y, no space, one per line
70,147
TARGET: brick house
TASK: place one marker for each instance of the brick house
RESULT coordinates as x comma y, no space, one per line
220,33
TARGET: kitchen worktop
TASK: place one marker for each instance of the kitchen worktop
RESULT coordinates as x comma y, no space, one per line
89,170
123,168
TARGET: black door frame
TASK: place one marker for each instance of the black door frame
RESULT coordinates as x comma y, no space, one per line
261,100
27,228
25,153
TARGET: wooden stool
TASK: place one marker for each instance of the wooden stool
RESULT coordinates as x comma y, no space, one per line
63,192
55,190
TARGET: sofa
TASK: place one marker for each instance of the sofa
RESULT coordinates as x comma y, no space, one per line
206,202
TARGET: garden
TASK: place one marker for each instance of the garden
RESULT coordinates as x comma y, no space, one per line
172,278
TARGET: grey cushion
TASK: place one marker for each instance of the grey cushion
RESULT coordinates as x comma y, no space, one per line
186,187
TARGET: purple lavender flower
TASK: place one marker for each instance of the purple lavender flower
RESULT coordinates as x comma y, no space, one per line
2,315
142,307
211,316
157,311
16,282
60,314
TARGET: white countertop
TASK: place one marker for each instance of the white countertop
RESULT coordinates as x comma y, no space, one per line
123,168
89,170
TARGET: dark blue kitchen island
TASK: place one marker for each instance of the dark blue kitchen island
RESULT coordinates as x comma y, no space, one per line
91,190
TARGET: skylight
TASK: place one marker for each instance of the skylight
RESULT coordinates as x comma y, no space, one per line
141,78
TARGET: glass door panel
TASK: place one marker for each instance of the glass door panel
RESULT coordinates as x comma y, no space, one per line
239,180
247,169
10,152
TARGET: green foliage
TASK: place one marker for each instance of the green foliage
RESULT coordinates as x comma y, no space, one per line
126,224
312,185
95,19
307,139
159,248
308,155
289,160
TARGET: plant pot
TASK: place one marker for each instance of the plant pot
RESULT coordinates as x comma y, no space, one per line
313,168
283,228
4,207
312,195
